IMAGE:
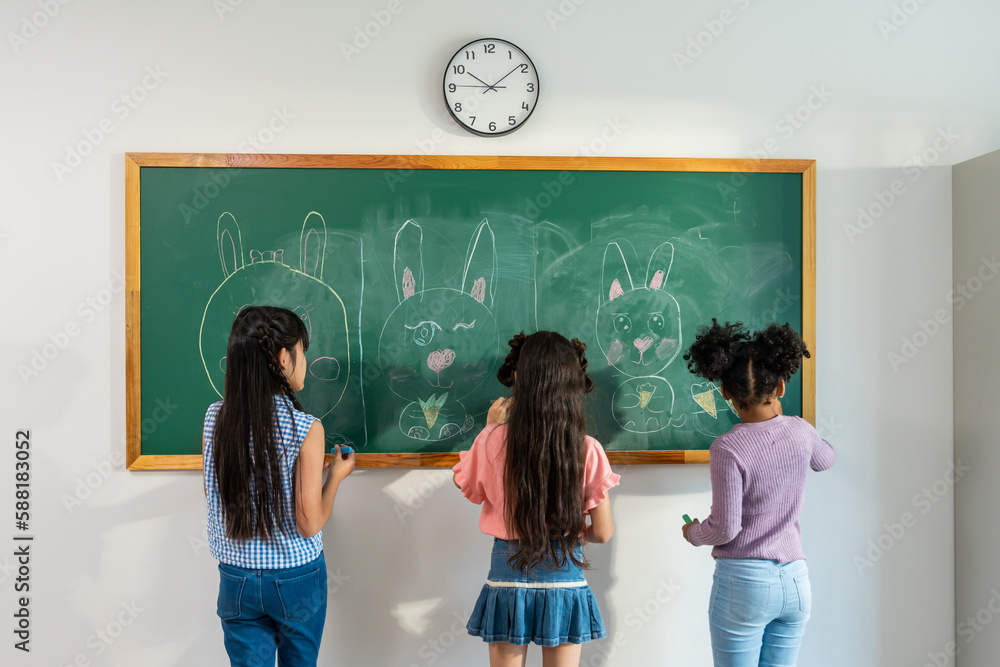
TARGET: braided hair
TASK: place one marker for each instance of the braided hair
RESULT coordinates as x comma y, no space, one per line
749,366
247,432
545,452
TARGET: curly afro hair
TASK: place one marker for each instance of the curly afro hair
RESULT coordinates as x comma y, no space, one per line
750,367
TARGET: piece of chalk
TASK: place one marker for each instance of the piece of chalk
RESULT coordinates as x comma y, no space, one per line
687,519
344,449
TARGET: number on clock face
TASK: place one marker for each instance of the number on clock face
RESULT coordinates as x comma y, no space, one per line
490,87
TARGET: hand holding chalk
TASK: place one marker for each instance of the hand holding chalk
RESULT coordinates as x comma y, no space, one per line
498,411
342,465
688,522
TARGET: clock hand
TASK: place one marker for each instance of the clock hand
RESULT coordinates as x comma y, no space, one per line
488,86
507,74
462,85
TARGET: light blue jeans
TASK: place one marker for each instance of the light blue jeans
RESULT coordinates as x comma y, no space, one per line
758,612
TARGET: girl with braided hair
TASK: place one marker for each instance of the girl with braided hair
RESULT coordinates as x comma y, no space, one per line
267,501
761,597
538,475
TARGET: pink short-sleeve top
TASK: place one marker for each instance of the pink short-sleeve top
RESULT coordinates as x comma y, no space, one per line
479,473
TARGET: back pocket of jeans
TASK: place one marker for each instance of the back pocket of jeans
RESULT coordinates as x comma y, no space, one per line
748,600
302,596
230,594
804,589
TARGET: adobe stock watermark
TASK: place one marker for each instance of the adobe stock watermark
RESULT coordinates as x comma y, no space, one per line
223,7
363,35
84,486
784,300
703,40
105,636
425,146
791,122
202,195
562,12
828,428
8,569
898,17
967,630
33,24
924,501
433,649
414,497
551,190
636,620
786,126
914,167
926,330
87,310
121,108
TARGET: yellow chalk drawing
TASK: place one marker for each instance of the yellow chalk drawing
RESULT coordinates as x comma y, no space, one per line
644,397
432,408
707,401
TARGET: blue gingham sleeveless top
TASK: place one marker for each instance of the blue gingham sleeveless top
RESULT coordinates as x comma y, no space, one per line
286,548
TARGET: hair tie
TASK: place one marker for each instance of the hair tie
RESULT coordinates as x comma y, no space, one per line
505,374
581,349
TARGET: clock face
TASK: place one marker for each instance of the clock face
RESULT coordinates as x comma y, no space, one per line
490,87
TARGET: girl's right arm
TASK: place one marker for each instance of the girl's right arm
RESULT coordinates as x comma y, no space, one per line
314,498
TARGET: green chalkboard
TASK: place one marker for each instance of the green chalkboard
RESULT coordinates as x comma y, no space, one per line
412,274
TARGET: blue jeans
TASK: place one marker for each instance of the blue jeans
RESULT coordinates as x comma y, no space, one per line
758,612
268,611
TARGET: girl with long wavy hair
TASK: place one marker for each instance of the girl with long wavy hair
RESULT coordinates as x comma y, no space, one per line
267,501
538,475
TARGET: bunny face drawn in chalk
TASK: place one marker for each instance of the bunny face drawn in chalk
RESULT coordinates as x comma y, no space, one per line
639,333
268,281
440,344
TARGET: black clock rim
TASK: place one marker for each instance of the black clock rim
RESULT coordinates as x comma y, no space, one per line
444,90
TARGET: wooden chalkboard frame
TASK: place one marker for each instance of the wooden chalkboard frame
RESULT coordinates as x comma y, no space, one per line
134,162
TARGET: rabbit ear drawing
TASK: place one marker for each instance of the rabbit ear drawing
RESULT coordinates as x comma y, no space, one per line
407,261
659,266
230,244
312,245
481,265
615,278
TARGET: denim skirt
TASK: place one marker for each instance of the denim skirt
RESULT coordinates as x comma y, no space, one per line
550,606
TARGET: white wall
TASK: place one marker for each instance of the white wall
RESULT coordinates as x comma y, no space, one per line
137,538
977,241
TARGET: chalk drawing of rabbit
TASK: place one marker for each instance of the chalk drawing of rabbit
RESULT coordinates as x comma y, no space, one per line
268,281
439,344
639,334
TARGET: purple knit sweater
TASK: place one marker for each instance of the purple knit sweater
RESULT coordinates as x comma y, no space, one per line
758,487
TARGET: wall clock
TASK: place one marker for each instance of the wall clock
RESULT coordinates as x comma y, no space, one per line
490,87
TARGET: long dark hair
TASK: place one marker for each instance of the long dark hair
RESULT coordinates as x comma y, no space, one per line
247,461
546,428
749,366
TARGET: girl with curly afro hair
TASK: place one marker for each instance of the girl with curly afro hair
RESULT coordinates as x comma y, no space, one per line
761,598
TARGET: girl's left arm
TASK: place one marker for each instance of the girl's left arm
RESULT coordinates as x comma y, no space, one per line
601,527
